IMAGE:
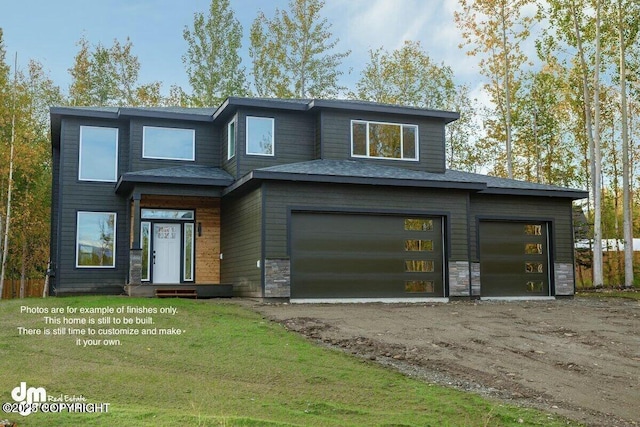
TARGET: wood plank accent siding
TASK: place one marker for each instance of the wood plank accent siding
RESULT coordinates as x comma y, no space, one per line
336,138
527,208
242,243
280,197
207,246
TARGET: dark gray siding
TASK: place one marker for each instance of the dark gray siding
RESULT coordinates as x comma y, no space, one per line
557,211
241,243
77,196
207,144
229,165
294,139
280,198
336,138
318,141
55,205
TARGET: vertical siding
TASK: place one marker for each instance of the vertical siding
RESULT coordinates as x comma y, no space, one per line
280,197
336,138
558,211
89,196
294,139
207,144
241,239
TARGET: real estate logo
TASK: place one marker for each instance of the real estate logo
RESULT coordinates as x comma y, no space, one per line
28,397
28,400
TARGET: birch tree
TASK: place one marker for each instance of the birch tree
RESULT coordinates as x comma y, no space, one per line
495,30
570,23
108,76
212,60
294,53
628,25
5,245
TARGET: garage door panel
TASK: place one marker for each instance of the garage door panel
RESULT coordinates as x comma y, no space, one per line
354,286
365,243
360,265
514,259
365,256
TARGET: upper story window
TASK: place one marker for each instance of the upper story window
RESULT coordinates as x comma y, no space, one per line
231,140
384,140
168,143
260,136
98,158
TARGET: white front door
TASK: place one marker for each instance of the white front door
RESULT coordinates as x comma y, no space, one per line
166,253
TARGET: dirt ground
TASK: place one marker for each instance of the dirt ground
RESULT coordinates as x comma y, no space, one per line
579,358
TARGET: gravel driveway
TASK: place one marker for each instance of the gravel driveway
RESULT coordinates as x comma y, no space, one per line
579,358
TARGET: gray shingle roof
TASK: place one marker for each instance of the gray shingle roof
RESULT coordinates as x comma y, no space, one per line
182,175
365,172
184,171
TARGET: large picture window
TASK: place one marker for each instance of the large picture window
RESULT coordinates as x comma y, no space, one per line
98,158
168,143
96,240
260,136
384,140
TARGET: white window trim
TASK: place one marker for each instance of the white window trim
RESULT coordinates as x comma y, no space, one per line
115,168
115,225
367,156
191,249
231,153
193,145
273,137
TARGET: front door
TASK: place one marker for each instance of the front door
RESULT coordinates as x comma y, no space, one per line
166,253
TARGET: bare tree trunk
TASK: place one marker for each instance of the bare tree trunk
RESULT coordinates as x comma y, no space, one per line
594,141
507,90
626,174
23,270
5,248
45,288
598,279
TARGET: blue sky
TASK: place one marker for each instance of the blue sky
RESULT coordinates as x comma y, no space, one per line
48,30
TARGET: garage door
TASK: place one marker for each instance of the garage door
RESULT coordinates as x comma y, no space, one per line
514,259
365,256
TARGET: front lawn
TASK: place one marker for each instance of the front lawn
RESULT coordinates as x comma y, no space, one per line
222,365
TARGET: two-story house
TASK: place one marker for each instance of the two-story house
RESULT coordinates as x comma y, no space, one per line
320,200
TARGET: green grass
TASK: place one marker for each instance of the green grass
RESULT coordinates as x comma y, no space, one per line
633,294
230,368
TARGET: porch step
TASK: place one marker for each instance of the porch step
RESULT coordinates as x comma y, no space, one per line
176,293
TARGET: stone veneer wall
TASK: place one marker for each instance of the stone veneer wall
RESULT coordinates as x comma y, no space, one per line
459,279
475,279
564,280
135,266
277,278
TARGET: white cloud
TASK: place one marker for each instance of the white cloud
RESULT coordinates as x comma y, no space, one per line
363,25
